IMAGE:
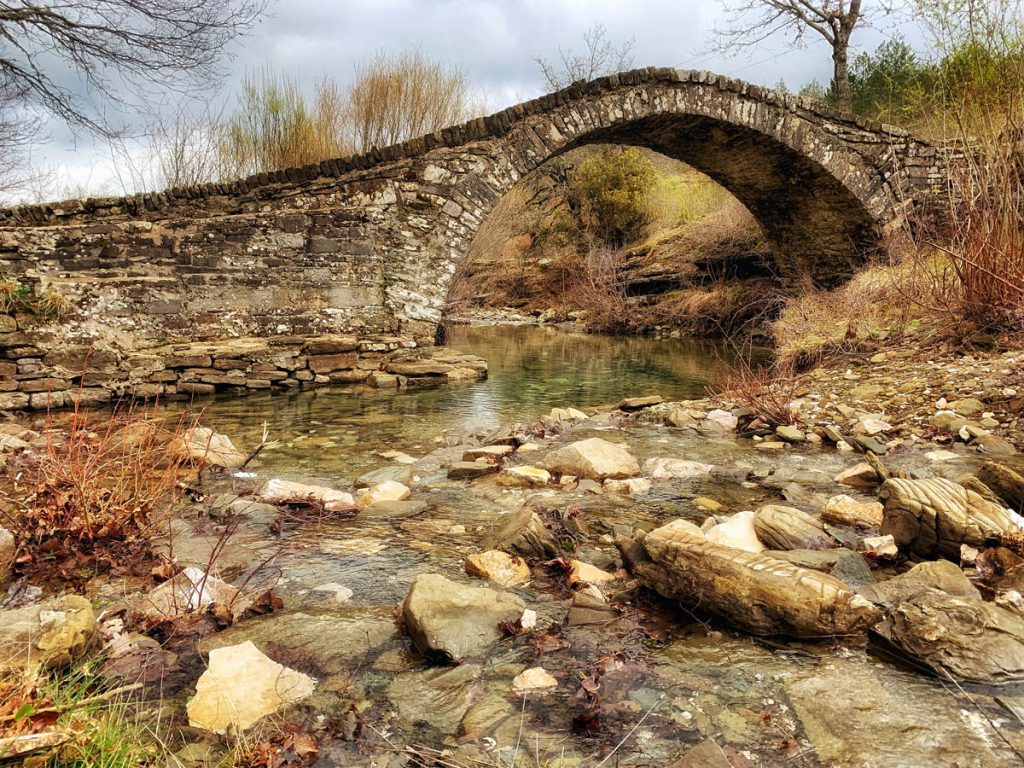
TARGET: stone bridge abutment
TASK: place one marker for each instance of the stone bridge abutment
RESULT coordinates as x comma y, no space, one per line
362,250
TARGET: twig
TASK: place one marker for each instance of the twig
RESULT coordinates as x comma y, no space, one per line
631,731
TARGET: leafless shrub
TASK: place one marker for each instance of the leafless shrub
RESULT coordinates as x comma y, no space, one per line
767,389
600,57
403,96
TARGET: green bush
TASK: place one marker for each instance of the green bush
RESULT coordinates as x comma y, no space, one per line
610,192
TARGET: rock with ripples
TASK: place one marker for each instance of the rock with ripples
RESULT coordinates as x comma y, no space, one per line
933,517
760,594
781,527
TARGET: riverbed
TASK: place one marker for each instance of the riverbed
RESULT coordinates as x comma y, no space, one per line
655,678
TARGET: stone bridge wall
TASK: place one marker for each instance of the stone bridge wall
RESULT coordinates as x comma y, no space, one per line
365,247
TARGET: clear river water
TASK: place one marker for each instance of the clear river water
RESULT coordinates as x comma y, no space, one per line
657,679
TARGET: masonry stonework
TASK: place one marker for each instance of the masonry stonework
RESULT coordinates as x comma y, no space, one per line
363,249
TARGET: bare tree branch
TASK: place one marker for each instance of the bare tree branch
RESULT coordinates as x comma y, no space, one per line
115,48
754,21
600,57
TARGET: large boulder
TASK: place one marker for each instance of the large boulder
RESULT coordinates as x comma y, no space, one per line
450,621
754,592
49,634
241,686
780,527
959,638
933,517
595,458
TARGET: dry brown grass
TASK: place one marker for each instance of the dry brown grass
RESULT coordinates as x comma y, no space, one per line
96,489
766,389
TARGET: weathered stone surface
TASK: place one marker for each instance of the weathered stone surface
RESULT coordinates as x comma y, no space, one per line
437,697
241,686
845,510
939,574
503,569
754,592
567,414
962,638
593,458
525,533
633,486
862,476
493,453
451,621
52,633
639,403
855,716
707,754
1005,482
780,527
934,517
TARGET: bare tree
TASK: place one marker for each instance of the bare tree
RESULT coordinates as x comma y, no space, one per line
114,48
754,21
600,57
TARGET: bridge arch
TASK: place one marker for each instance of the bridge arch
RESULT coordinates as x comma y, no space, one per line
823,186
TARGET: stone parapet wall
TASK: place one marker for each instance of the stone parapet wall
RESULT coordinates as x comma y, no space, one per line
34,378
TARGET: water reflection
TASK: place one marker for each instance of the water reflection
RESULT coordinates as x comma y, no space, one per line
336,433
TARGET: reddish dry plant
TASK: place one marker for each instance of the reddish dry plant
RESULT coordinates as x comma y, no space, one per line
102,481
767,390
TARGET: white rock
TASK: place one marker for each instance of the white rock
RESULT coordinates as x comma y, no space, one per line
190,591
533,680
723,418
871,426
287,492
529,619
634,486
942,455
389,490
567,414
736,532
241,686
675,469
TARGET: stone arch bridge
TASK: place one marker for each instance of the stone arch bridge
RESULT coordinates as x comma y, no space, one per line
365,247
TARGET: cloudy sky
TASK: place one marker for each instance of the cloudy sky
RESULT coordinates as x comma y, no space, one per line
493,40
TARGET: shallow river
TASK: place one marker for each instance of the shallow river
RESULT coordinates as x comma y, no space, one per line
661,677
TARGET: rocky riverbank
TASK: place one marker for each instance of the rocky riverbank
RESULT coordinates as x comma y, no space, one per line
677,583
